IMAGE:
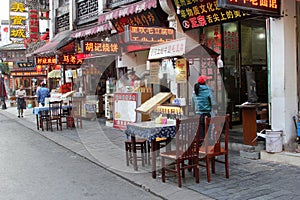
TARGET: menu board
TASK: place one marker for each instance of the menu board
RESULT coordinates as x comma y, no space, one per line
124,109
156,100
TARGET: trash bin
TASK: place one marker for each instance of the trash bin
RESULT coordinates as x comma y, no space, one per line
273,141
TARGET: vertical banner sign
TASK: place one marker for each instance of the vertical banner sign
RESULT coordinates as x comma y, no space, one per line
201,13
34,25
17,18
181,67
154,71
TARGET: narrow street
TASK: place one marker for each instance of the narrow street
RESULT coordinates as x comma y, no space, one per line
32,167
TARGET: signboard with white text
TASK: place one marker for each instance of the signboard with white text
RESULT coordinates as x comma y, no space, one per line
167,49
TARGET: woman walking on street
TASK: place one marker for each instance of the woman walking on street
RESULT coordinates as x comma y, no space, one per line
21,94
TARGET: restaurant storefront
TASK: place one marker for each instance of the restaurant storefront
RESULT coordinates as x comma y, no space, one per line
238,36
28,75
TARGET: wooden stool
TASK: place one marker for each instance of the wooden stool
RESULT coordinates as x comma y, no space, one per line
141,145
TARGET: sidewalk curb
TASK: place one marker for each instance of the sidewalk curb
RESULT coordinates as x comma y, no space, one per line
154,186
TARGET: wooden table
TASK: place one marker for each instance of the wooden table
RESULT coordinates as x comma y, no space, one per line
249,121
150,130
37,110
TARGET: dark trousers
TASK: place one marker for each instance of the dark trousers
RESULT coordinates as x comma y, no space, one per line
202,124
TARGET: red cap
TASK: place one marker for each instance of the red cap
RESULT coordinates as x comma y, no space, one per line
202,79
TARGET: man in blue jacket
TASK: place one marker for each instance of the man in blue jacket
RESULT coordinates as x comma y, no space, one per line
43,92
203,101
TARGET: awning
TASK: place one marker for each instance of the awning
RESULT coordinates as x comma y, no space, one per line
54,74
91,31
127,10
12,46
201,50
60,40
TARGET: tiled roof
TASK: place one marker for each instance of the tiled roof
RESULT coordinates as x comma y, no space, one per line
12,46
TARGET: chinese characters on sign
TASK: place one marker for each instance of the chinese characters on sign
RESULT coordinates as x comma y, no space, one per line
27,73
17,16
181,66
68,59
212,38
25,64
154,71
231,40
46,60
265,6
101,47
199,13
148,34
33,25
167,49
147,18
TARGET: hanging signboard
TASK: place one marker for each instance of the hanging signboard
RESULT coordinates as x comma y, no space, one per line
17,15
200,13
23,64
181,67
167,49
68,59
263,7
27,73
143,34
154,71
46,60
101,47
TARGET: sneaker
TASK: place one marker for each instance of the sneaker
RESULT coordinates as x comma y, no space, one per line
22,116
19,116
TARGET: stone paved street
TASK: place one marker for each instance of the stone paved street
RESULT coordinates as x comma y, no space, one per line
249,179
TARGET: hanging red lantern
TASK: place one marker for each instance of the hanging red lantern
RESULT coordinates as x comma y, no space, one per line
57,67
39,68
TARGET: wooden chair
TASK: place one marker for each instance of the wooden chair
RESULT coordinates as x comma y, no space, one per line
216,132
55,115
76,112
185,156
140,145
43,117
66,113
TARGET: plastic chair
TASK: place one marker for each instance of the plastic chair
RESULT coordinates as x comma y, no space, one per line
185,156
216,132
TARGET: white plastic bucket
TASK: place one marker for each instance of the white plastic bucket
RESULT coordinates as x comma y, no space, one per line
273,141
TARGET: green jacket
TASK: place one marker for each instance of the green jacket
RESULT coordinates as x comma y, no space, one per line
204,101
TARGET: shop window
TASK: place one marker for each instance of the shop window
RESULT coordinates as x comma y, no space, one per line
253,42
63,2
212,38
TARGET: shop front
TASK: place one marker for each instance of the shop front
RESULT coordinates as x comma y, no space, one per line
30,78
236,31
